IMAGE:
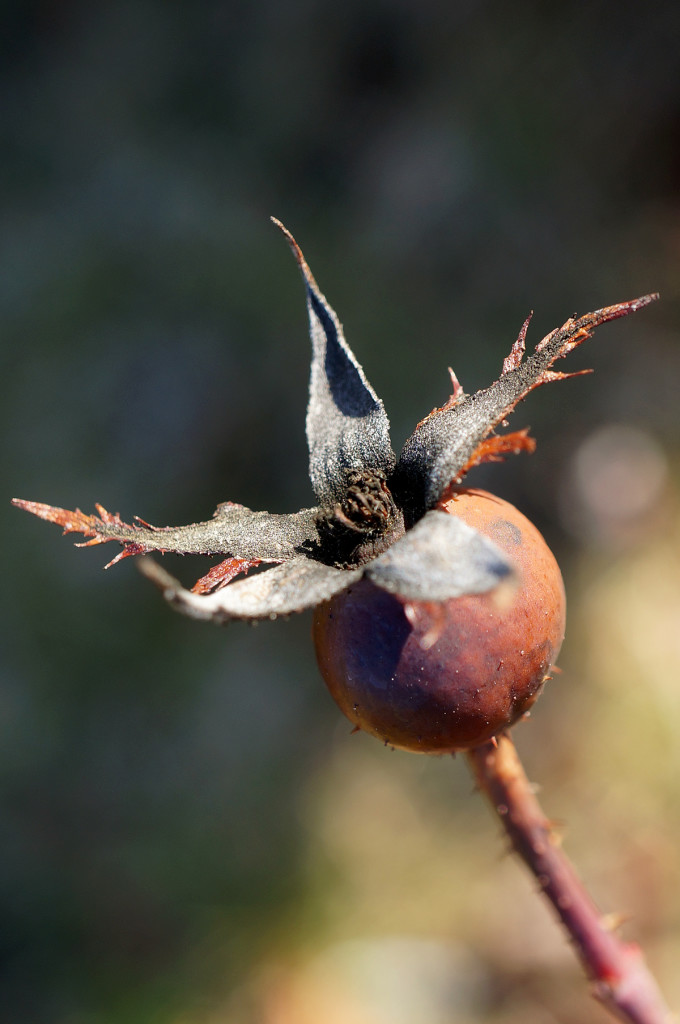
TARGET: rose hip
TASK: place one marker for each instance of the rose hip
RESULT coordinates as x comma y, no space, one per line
438,678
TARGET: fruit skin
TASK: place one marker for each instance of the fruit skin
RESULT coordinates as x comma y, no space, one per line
439,678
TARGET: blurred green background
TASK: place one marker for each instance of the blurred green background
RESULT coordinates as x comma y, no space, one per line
189,834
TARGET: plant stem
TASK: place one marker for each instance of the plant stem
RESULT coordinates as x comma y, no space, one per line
621,979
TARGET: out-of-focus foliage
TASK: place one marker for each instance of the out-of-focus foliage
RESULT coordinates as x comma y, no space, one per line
189,833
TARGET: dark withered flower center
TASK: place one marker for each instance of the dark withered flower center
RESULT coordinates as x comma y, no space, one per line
363,523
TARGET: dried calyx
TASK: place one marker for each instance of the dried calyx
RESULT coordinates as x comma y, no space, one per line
369,501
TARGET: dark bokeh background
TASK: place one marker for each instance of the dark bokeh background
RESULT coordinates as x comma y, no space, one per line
188,832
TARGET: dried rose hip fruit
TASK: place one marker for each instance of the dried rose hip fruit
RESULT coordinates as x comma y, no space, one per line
420,636
439,610
438,678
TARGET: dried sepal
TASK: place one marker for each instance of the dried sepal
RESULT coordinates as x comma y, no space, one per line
234,530
445,442
440,558
103,527
291,587
223,573
347,426
495,447
366,502
74,521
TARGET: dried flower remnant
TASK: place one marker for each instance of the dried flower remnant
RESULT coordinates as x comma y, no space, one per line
369,500
392,536
398,539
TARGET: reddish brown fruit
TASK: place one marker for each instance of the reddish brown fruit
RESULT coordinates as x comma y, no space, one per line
438,678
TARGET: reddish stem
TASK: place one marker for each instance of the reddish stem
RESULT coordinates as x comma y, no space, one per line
621,979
